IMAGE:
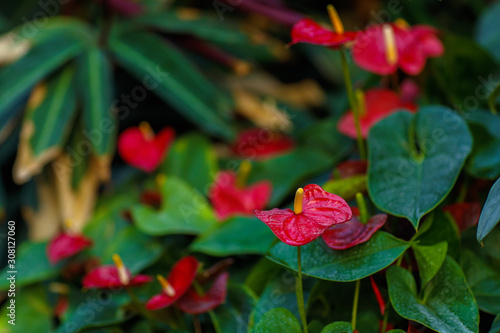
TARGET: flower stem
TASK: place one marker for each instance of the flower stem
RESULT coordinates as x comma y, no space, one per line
299,291
386,318
352,102
355,305
215,322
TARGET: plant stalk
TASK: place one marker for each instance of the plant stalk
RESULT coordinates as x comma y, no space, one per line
355,305
299,291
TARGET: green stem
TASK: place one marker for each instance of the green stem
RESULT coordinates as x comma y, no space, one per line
299,291
363,211
355,305
352,102
386,318
215,322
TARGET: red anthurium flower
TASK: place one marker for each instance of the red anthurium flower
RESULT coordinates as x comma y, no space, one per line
195,303
176,285
465,214
66,245
314,211
141,148
353,232
381,49
378,104
113,276
308,31
230,196
259,144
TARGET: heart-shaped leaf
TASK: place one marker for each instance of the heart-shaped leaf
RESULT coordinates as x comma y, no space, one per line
193,159
338,327
445,304
277,321
429,259
320,261
415,160
184,211
238,235
490,215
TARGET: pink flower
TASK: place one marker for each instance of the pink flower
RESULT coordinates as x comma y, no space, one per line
308,31
194,303
141,148
66,245
353,232
314,211
260,144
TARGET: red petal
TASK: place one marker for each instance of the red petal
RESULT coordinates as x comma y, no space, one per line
139,280
66,245
465,214
320,211
151,198
369,51
229,200
352,233
352,168
378,295
308,31
194,303
141,153
379,103
429,42
180,278
409,91
102,277
259,144
61,306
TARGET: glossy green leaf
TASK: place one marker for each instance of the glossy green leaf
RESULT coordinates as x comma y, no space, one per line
441,228
234,314
278,320
493,98
184,210
3,200
338,327
238,235
95,88
207,27
56,111
495,327
40,61
96,309
414,161
490,215
346,187
32,312
320,261
429,259
192,158
483,280
446,303
32,261
487,30
162,69
306,162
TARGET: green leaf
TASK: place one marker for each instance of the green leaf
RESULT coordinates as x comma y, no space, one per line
407,181
490,215
441,228
56,111
483,280
238,235
493,98
234,314
184,211
346,187
429,259
96,309
446,303
306,163
167,72
320,261
193,159
32,263
495,327
338,327
32,311
40,61
277,321
487,29
95,89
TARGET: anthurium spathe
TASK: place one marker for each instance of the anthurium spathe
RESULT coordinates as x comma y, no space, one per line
67,244
197,302
382,49
141,148
353,232
315,210
465,214
116,276
176,284
377,104
260,144
231,196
